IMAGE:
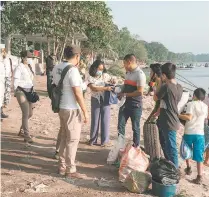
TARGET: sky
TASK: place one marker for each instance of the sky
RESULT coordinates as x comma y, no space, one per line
180,26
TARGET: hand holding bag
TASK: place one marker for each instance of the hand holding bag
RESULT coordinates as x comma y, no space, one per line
110,97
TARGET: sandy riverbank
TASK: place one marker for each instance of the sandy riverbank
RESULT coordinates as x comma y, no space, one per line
25,168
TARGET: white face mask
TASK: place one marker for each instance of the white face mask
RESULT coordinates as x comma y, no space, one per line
30,61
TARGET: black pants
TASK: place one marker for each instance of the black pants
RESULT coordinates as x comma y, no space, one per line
49,82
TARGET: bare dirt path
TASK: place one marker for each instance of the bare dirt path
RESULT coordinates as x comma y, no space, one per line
30,170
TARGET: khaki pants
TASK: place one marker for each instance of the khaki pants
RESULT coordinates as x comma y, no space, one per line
70,121
58,140
27,110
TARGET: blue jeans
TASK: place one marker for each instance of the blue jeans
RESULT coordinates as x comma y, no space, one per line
135,115
170,150
162,139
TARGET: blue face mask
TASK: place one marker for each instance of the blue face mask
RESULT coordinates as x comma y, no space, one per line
99,73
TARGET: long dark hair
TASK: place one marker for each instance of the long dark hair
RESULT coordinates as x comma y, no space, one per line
156,69
94,67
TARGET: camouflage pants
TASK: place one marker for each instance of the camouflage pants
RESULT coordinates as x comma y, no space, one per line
7,93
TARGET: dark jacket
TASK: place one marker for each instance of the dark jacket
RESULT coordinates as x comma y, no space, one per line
49,63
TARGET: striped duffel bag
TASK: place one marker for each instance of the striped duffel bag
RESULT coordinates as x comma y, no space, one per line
151,140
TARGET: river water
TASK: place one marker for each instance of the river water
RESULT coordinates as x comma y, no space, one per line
199,76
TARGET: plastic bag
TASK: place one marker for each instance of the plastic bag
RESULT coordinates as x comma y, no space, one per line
132,159
206,130
182,103
185,150
138,182
164,171
113,154
121,102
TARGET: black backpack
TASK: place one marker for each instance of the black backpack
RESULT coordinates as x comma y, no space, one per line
57,91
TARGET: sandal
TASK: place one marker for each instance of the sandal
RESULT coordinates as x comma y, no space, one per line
62,171
188,170
56,155
21,133
198,180
76,175
28,139
106,145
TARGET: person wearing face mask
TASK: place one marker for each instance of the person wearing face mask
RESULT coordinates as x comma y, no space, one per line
23,80
70,114
100,112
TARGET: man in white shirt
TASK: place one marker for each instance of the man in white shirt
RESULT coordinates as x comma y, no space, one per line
70,115
196,113
7,82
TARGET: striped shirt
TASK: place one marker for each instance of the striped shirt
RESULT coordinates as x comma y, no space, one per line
134,79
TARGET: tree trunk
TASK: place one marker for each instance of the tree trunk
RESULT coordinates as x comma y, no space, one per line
56,46
48,46
63,47
26,44
8,45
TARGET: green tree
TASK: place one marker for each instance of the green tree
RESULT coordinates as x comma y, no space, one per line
58,20
156,51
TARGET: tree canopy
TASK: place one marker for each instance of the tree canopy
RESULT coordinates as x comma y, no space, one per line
59,20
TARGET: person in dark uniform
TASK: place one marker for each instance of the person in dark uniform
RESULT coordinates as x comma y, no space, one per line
50,63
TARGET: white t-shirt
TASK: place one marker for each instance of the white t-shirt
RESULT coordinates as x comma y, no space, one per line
199,111
72,79
23,77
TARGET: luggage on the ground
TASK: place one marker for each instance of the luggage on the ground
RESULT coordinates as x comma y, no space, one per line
132,159
151,140
138,182
164,171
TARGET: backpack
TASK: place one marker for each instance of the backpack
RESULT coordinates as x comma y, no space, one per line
57,91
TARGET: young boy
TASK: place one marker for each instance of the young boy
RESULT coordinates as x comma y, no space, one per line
195,116
169,95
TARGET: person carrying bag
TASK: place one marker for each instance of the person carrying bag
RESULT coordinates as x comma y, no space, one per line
26,96
57,91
